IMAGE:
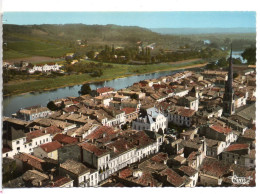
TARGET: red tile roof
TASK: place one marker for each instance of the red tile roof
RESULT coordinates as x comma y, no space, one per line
59,181
186,112
50,147
221,129
214,167
104,90
34,134
31,160
147,179
94,149
6,148
237,147
160,157
128,110
64,139
102,131
173,177
188,170
125,173
53,130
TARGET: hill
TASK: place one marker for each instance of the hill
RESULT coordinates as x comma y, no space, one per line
203,30
56,40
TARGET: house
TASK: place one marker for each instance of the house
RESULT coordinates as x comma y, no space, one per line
44,68
61,182
130,114
13,141
246,115
81,174
212,172
181,116
239,154
32,113
215,147
191,173
65,139
190,102
220,133
17,141
26,162
48,150
151,119
105,90
31,178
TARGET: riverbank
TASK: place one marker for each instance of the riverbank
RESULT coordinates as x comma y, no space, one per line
117,71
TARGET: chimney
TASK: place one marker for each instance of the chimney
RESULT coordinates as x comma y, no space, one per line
40,183
114,149
51,177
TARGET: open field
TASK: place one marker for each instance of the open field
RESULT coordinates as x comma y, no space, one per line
33,59
118,70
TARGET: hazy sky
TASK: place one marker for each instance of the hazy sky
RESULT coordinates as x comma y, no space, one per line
142,19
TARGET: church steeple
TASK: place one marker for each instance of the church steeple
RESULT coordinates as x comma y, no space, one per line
228,99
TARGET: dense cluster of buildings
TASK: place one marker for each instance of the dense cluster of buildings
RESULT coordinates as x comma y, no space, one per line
185,130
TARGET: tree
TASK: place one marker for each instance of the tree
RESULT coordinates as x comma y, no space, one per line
85,89
250,55
68,59
222,62
52,106
91,54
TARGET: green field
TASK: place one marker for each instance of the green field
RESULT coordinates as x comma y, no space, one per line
118,70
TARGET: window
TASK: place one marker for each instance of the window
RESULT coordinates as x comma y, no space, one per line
25,146
6,155
43,141
17,142
46,139
18,148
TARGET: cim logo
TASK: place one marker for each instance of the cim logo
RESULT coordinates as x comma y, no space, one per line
240,180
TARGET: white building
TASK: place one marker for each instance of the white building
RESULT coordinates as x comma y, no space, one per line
44,68
18,141
121,152
151,120
181,117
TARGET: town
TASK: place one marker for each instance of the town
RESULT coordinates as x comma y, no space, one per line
185,130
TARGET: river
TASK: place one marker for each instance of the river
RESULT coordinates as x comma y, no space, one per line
12,104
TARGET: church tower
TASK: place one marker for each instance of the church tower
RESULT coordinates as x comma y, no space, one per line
228,99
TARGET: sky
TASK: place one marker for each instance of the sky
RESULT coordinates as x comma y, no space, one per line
166,19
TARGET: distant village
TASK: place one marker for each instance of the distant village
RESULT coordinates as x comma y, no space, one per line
189,129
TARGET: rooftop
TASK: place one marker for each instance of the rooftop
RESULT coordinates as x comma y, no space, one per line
75,167
50,147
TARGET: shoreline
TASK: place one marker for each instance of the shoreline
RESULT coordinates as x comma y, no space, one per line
108,79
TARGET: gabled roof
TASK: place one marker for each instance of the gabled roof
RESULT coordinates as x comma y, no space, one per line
50,147
31,160
172,177
94,149
64,139
214,167
104,90
235,147
221,129
188,170
34,134
74,167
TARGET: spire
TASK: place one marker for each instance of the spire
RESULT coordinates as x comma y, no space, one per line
228,98
230,71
